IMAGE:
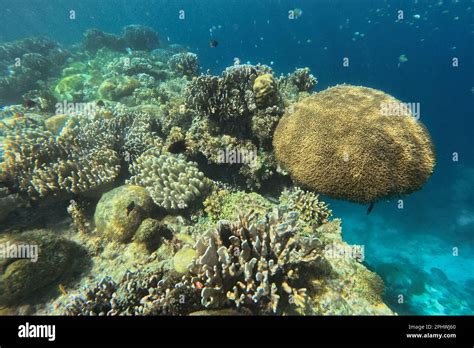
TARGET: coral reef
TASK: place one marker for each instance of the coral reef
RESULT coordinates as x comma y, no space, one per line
40,259
143,292
255,264
95,39
298,83
37,164
338,142
265,90
172,182
185,64
222,204
121,211
117,87
28,63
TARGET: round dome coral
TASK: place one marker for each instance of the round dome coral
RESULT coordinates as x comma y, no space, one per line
354,143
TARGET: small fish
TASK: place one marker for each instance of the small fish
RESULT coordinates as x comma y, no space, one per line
129,50
62,289
371,206
213,43
130,207
100,103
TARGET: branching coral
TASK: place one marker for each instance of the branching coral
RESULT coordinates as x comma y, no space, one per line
172,182
185,64
339,142
228,100
37,164
255,264
143,292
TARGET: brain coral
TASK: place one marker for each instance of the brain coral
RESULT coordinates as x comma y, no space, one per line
339,143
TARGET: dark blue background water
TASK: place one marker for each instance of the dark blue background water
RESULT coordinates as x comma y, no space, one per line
412,248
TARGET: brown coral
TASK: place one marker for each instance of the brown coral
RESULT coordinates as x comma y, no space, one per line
339,142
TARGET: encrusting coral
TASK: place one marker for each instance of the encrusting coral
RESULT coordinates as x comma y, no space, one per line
171,181
340,143
186,64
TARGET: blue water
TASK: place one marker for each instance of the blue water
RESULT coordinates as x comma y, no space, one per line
425,251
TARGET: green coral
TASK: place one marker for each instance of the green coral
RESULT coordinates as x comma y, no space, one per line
171,181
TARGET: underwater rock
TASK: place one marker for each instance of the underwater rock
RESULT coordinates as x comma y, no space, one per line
150,233
140,37
171,181
324,144
23,277
120,212
183,258
56,123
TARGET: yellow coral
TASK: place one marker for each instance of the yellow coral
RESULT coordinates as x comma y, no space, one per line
265,89
339,143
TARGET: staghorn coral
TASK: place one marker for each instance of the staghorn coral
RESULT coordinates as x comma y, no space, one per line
339,143
184,64
120,212
307,204
172,182
255,264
